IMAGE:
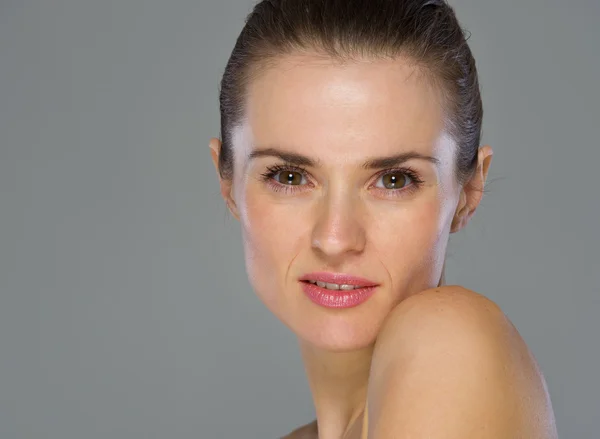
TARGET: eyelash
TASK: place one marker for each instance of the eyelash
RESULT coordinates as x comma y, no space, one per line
272,171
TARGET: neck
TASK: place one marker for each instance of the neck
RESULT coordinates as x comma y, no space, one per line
338,383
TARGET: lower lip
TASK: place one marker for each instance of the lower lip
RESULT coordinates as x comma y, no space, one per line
337,298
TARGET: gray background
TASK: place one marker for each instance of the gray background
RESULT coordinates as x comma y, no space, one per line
125,311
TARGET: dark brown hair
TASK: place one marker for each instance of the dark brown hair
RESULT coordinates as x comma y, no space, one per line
425,32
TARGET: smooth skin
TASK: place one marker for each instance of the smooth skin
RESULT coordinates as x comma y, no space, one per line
419,359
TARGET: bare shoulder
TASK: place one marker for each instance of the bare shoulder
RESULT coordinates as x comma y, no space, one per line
308,431
452,312
434,309
451,354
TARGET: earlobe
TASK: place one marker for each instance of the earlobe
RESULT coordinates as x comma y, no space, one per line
215,149
225,185
477,183
472,192
457,221
232,207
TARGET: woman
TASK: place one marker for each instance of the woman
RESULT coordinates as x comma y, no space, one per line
350,151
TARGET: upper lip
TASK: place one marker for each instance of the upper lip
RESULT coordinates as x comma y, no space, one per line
339,279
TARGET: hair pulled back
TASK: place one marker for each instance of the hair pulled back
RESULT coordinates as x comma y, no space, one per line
425,32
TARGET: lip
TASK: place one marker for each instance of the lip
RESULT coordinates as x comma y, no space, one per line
337,298
338,278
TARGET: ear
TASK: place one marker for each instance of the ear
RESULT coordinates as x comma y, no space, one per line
472,191
226,184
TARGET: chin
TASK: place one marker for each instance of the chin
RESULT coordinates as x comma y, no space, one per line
341,345
339,337
336,330
332,329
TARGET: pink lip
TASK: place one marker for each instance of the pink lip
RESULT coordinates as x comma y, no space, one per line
338,278
337,298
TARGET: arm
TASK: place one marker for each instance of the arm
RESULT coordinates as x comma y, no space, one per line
449,365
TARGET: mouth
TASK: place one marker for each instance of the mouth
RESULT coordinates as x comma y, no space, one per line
337,281
332,286
333,290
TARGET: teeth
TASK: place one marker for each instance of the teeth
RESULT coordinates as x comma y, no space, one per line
334,286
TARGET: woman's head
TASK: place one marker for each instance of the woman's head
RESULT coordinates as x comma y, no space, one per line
350,144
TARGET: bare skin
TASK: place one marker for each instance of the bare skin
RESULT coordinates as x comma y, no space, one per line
531,415
400,364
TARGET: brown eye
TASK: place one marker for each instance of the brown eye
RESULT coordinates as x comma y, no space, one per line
394,180
290,178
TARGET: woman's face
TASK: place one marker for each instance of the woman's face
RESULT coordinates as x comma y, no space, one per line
320,186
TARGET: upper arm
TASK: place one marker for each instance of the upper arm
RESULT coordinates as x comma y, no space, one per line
449,365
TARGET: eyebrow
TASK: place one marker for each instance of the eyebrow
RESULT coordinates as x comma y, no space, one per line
372,163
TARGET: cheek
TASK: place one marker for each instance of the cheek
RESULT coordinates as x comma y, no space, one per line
411,240
270,228
272,237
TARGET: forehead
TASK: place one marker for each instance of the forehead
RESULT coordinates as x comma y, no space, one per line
365,107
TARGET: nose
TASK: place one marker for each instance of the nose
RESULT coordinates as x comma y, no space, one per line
338,230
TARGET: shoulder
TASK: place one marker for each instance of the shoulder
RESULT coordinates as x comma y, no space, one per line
308,431
446,299
435,311
450,323
451,354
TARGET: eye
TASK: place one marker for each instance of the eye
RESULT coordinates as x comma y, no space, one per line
398,182
393,180
285,177
290,178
